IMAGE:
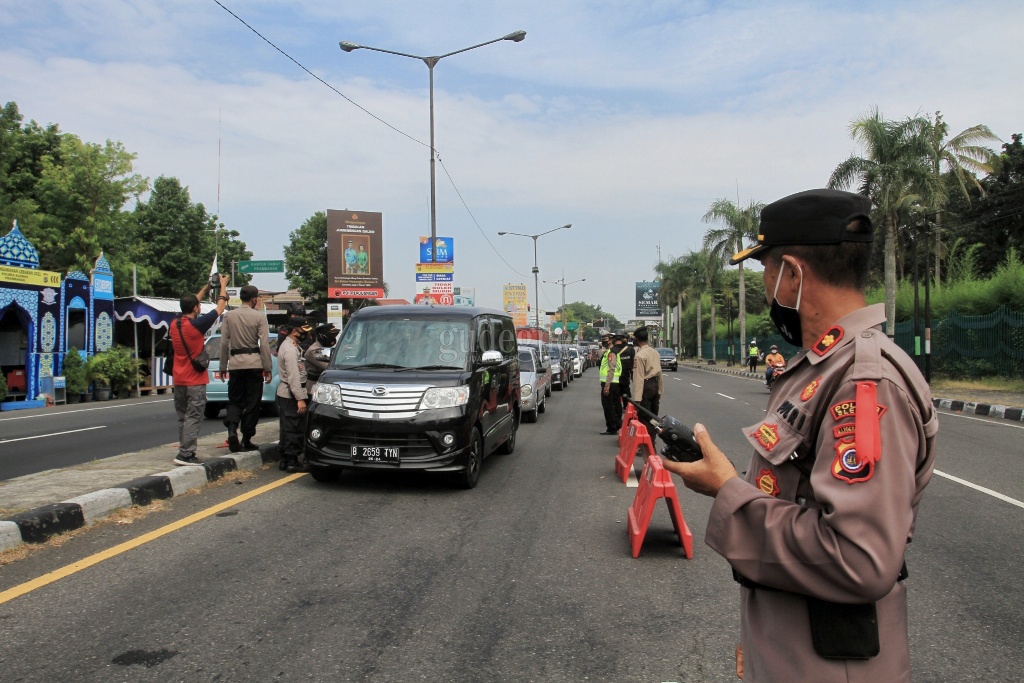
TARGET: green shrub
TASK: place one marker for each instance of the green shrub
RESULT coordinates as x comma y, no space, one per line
115,368
74,372
3,387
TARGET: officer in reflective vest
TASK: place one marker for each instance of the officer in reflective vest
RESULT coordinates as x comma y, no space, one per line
610,373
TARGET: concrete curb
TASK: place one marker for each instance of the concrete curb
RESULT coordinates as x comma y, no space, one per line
951,404
39,524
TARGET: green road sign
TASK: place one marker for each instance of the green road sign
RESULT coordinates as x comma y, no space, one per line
261,266
572,325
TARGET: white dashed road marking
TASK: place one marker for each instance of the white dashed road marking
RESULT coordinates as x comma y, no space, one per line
696,385
994,494
41,436
724,396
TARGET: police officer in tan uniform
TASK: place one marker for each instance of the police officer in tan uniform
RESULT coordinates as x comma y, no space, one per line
816,532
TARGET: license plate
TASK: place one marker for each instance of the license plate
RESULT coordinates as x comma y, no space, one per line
375,453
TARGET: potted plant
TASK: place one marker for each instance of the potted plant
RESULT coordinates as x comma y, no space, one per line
119,368
98,373
74,375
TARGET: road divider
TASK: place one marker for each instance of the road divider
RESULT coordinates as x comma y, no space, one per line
636,437
656,484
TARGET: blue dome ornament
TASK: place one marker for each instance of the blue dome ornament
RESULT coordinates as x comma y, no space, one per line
17,251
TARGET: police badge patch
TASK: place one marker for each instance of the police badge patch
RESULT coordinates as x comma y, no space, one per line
847,466
809,390
767,435
768,483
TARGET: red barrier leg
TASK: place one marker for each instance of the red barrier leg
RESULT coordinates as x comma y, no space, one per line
655,483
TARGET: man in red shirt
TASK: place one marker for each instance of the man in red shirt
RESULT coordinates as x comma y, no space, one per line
188,332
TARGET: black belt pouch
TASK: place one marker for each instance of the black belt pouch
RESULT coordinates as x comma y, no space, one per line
843,631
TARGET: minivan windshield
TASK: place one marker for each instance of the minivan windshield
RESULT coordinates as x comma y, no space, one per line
403,343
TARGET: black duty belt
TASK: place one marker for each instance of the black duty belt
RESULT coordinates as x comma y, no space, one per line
747,583
236,352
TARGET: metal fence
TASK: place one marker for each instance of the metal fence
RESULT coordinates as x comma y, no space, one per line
963,346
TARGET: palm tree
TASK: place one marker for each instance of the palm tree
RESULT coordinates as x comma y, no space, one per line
675,290
893,174
693,268
713,280
961,156
740,224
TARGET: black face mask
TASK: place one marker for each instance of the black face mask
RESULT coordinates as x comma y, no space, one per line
787,319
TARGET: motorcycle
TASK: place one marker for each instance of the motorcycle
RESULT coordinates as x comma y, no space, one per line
777,370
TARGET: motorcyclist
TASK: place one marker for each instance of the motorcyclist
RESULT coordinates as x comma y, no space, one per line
772,361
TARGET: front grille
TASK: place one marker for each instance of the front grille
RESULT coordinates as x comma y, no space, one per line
411,445
381,401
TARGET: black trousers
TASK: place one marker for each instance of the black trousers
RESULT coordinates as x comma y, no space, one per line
245,392
612,405
292,427
652,401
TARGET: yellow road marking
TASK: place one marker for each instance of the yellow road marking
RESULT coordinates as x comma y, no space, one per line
58,574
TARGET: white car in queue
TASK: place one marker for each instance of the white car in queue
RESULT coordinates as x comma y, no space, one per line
533,382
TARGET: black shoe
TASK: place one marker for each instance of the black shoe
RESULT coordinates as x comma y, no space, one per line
282,465
295,466
187,460
249,445
233,444
608,432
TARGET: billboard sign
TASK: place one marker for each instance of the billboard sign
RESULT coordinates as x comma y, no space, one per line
355,255
514,303
647,299
439,299
443,250
428,267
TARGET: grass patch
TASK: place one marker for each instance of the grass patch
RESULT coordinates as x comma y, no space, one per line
1009,386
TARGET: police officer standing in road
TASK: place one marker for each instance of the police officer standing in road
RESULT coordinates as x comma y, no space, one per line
245,360
291,394
609,374
816,533
647,379
626,353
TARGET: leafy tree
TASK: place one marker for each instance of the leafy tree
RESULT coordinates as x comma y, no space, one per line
893,174
740,223
994,220
305,260
675,290
178,240
22,150
959,158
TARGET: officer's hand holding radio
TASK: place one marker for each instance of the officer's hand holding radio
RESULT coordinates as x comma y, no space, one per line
708,474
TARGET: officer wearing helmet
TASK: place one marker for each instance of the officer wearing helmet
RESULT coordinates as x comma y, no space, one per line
817,529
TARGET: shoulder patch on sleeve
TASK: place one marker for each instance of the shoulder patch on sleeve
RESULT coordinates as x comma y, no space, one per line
845,409
828,340
847,466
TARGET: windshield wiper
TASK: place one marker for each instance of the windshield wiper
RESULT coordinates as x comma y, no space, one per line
433,367
369,365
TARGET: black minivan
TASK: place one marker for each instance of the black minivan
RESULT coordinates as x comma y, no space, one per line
432,388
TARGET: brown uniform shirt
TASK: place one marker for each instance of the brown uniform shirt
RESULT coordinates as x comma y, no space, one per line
245,328
841,534
646,365
292,368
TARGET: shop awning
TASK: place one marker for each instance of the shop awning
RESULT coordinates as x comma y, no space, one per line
157,312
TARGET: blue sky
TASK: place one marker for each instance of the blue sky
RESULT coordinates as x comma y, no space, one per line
625,118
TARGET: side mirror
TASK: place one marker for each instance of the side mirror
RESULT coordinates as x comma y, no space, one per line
491,357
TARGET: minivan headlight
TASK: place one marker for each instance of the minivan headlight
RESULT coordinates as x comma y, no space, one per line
444,397
328,394
526,390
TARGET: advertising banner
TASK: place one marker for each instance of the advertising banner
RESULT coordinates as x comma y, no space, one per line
355,255
448,267
28,276
465,296
336,315
439,299
443,250
514,302
647,299
435,277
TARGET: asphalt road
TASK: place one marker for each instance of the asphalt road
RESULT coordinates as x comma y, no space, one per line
36,440
528,577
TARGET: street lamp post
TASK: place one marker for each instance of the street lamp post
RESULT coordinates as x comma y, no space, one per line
564,284
515,37
536,270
